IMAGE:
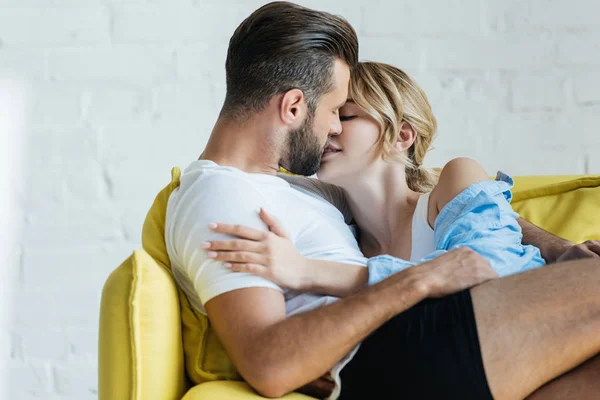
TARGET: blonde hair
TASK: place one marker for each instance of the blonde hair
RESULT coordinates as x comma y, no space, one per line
390,97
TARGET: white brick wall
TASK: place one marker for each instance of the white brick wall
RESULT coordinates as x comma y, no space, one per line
121,90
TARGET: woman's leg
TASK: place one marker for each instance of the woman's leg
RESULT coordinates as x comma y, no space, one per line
582,383
538,325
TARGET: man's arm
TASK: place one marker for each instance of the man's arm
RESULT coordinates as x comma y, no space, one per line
551,246
276,355
556,249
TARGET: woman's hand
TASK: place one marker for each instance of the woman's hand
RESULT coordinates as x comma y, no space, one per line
271,255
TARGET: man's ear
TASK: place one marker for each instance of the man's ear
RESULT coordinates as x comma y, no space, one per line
406,137
293,107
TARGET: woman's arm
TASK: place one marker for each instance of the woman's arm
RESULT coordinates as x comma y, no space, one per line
272,255
335,279
459,173
456,176
554,248
480,217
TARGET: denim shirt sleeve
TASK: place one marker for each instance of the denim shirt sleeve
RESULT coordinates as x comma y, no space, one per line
481,218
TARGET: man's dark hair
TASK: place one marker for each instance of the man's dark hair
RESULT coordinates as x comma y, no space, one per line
283,46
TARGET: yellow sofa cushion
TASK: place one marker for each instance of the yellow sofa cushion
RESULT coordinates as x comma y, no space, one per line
137,357
232,391
205,357
567,206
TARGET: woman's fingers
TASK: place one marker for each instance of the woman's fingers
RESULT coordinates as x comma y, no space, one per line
241,231
246,232
237,257
250,268
234,244
273,223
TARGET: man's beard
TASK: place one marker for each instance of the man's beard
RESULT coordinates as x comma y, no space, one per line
304,149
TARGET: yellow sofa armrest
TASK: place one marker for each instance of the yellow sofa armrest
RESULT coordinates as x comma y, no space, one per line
140,352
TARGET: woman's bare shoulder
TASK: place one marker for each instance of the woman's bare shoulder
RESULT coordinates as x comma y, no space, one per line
456,176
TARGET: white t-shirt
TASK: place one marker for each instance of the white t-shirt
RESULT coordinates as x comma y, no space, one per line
212,193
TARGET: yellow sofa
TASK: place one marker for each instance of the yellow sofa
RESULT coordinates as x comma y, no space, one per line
153,346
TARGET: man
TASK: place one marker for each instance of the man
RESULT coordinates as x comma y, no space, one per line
288,70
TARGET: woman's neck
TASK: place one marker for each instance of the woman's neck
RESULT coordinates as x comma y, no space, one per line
383,207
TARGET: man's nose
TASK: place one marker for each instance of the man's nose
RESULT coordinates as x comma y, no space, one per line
336,127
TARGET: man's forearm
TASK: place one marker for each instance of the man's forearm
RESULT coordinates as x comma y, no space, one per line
551,246
324,336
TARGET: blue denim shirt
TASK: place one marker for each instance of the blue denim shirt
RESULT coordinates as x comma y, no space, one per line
481,218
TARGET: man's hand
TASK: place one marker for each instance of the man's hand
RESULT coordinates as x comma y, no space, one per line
454,271
587,249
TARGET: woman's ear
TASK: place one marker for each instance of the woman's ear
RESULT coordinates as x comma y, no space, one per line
292,107
406,137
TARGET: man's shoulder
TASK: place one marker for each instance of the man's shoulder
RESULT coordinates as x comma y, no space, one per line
208,181
212,175
213,192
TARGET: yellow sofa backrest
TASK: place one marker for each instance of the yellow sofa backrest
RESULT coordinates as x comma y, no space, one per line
567,206
205,357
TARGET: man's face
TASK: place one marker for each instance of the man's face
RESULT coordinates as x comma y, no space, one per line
306,143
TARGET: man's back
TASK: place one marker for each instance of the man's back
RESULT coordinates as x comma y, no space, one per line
211,193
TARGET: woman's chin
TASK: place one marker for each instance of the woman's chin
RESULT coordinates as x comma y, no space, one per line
322,175
326,176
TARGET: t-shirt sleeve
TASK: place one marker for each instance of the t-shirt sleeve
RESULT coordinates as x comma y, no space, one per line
226,199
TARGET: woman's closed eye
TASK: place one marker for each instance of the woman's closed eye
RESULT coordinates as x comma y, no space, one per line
347,117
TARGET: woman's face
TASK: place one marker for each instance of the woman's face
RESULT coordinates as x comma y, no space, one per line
350,153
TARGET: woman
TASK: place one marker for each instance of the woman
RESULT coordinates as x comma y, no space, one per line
388,126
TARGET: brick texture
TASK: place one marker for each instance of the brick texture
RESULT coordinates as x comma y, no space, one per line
119,91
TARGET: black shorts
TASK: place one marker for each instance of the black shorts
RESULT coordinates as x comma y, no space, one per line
430,351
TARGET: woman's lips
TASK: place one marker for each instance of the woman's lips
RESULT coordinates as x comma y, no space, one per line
329,152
